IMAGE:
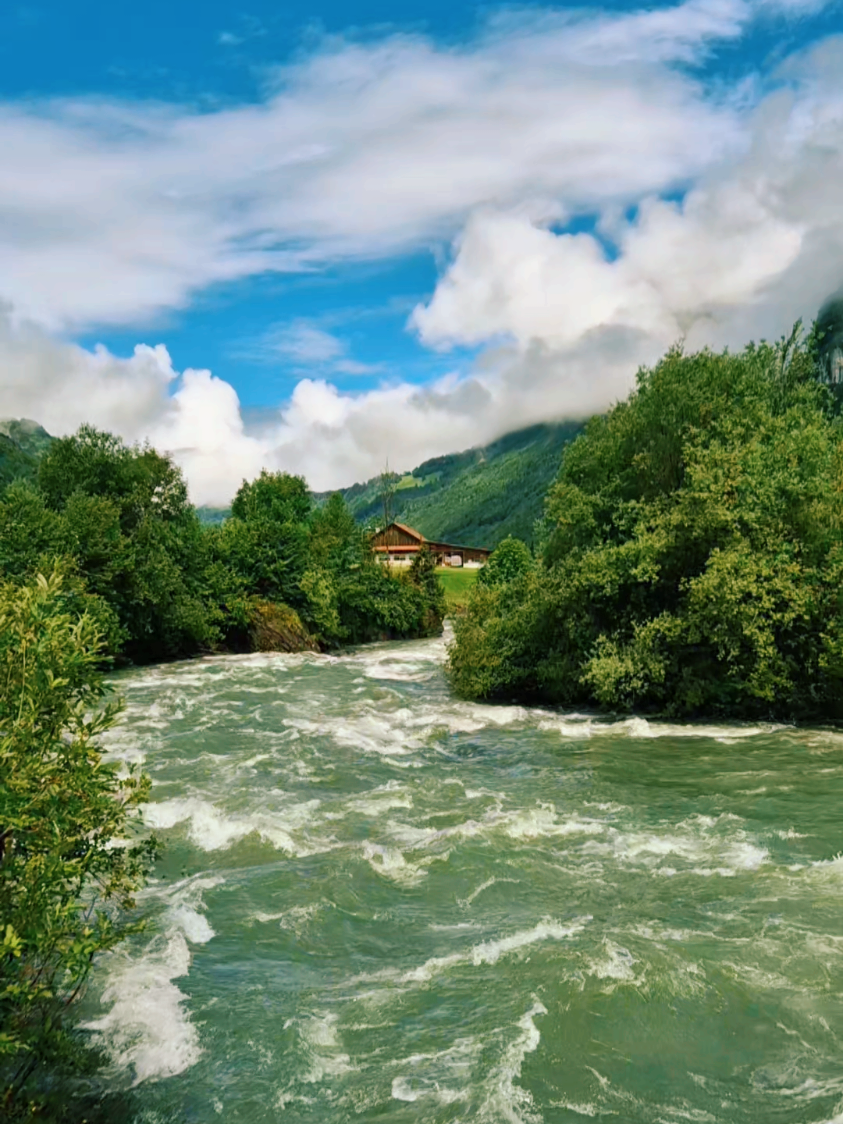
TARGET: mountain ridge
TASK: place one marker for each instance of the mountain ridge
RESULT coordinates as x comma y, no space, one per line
22,443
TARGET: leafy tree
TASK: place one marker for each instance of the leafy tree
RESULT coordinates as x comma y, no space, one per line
123,516
422,574
140,480
337,541
29,530
274,496
509,560
65,891
161,585
265,542
695,555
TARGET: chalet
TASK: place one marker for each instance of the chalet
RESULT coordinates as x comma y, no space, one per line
399,543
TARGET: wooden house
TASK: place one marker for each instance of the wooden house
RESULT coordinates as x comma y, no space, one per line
399,544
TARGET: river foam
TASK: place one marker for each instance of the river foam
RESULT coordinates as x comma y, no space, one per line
147,1030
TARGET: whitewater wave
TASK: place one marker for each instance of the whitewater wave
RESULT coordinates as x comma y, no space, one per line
147,1031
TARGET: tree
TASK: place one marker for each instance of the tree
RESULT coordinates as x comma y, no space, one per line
122,514
141,481
65,892
695,553
509,560
274,496
388,486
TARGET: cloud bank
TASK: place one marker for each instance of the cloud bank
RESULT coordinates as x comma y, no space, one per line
110,213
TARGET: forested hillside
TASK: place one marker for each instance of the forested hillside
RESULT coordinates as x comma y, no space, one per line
22,443
477,497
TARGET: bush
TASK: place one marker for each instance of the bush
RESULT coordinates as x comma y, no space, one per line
65,891
509,560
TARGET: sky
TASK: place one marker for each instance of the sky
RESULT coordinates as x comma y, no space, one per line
317,238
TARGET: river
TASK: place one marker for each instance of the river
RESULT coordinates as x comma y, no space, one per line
379,903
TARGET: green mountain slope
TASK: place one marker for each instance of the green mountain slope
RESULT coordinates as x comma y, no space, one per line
477,497
22,443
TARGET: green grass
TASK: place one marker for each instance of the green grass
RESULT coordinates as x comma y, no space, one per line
408,481
457,585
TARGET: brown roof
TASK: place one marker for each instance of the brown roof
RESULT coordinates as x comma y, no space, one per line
407,530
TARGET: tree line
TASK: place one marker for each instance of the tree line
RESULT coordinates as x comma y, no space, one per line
281,571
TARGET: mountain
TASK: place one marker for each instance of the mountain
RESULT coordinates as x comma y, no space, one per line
477,497
22,444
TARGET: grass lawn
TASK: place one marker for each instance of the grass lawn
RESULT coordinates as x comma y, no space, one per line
457,584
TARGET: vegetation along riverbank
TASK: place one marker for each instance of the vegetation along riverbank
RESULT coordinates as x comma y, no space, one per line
280,572
692,560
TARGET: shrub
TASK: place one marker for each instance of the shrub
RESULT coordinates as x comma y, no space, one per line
65,892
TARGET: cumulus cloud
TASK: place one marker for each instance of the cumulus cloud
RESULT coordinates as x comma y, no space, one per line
755,244
111,212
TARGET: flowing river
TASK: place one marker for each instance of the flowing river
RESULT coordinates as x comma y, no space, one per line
379,903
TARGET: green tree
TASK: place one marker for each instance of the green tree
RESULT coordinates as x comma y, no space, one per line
265,542
509,560
122,514
695,553
65,892
274,496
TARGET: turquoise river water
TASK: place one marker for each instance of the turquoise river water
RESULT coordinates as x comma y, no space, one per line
379,903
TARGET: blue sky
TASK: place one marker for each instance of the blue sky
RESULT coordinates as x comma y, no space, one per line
314,236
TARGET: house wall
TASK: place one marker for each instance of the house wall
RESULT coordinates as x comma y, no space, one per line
394,536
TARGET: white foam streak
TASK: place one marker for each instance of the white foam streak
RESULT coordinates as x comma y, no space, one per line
147,1030
322,1048
211,829
487,952
505,1100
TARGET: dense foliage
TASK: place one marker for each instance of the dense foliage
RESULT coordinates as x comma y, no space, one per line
694,555
162,585
64,889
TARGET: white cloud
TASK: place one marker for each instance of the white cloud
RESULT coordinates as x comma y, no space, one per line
305,344
755,244
195,416
113,212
